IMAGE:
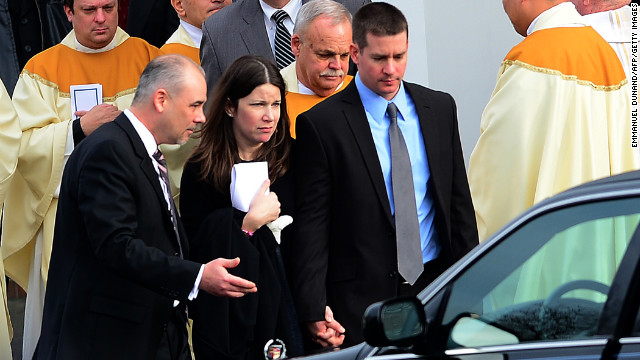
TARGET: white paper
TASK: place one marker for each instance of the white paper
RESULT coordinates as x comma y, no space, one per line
85,97
246,179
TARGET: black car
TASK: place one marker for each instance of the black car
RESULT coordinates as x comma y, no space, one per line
562,281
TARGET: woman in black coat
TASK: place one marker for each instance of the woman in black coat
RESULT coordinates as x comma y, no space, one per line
246,122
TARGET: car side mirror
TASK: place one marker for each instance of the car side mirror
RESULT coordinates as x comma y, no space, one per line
395,322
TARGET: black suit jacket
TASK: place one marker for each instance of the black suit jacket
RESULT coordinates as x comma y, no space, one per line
115,268
344,248
152,20
238,30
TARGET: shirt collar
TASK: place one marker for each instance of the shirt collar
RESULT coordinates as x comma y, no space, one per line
194,32
84,49
566,8
302,89
291,9
145,135
376,105
611,24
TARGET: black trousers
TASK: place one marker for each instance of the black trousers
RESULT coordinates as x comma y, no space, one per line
175,339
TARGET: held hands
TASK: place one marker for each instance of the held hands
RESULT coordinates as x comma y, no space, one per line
264,208
98,115
327,333
217,281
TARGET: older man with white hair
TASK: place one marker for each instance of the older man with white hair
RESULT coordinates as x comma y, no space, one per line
320,42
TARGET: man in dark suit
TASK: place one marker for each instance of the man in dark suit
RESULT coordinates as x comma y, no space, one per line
152,20
118,283
345,251
246,27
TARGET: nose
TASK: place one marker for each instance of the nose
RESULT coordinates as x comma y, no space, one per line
334,63
270,114
200,118
100,18
389,67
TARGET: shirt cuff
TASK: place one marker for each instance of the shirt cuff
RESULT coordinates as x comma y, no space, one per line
194,293
78,134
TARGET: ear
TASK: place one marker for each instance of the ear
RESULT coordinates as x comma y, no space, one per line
296,42
160,99
177,5
355,53
229,109
69,12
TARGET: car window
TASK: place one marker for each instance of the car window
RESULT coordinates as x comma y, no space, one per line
546,281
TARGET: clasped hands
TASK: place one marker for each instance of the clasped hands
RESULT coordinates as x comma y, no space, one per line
327,333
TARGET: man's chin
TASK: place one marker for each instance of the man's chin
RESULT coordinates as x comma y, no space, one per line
182,141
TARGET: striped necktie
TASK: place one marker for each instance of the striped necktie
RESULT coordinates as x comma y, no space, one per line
164,174
282,41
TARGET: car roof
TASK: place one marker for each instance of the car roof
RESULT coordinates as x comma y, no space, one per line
626,181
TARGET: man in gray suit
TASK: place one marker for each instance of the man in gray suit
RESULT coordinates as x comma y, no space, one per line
248,29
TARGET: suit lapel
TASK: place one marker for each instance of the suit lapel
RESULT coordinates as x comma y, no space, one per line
431,134
254,33
146,166
357,120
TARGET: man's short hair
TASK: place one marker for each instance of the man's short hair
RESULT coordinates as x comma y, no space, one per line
379,19
70,3
164,72
315,8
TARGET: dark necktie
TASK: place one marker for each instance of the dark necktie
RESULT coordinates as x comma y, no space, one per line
164,174
282,41
410,264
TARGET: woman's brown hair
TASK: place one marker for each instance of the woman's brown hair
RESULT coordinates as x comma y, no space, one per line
218,150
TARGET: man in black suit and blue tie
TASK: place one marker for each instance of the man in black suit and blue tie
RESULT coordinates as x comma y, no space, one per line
383,203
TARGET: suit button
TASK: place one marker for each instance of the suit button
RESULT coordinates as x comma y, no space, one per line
393,274
176,254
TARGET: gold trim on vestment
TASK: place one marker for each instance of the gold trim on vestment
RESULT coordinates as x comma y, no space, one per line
566,77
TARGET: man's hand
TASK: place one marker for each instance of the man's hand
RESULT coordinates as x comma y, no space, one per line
98,115
264,209
327,333
217,281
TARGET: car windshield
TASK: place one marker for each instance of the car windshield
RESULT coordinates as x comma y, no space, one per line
548,280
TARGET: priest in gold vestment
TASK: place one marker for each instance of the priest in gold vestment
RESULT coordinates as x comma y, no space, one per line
558,117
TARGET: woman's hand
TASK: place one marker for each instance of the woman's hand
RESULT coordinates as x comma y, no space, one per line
264,209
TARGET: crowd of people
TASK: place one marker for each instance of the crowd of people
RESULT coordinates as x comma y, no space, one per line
124,222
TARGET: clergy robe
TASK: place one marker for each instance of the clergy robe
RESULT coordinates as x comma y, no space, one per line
10,144
558,117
